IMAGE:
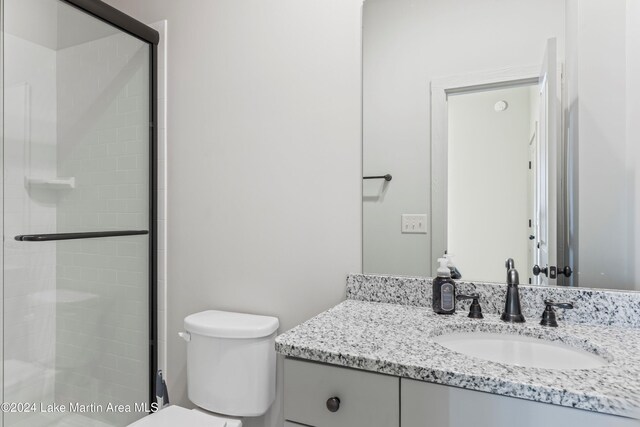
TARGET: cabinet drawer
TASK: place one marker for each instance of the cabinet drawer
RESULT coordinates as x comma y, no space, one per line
428,405
366,399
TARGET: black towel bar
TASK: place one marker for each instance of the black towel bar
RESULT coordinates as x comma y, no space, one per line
386,177
73,236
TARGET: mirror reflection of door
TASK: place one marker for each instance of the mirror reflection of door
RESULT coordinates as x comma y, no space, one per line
489,209
502,140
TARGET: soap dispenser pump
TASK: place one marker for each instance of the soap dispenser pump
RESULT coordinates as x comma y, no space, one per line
444,290
455,273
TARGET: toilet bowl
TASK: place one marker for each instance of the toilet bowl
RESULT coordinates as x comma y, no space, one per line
231,370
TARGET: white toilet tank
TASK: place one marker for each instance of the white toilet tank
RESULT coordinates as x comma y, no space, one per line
231,362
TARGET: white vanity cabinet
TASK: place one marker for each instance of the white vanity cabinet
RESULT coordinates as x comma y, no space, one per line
371,399
360,398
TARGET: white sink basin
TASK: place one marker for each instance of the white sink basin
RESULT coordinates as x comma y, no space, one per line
519,350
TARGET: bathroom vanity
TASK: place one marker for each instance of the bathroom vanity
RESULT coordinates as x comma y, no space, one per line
373,360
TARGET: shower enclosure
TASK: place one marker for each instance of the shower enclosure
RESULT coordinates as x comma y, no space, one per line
78,139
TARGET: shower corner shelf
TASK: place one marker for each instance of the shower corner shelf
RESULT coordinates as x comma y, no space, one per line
50,183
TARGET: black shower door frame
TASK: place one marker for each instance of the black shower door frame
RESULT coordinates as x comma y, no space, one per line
126,23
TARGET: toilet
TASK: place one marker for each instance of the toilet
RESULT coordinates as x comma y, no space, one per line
231,370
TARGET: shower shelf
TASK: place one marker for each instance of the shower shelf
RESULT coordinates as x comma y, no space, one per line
51,183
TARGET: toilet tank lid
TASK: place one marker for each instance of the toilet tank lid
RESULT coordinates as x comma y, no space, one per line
224,324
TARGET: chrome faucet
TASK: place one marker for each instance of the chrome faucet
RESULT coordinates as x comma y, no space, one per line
512,312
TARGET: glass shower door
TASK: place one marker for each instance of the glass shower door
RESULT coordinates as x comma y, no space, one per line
76,184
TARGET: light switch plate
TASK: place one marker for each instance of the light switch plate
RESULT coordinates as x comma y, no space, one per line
414,223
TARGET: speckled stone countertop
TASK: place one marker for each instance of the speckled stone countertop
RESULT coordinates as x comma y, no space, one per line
397,339
597,307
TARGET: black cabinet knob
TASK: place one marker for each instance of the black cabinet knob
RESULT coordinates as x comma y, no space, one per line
333,404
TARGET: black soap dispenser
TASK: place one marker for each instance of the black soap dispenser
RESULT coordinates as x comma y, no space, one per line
444,290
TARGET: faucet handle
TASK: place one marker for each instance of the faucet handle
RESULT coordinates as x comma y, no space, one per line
475,311
509,264
549,314
552,303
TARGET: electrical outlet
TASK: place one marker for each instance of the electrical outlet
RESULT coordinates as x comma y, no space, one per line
414,223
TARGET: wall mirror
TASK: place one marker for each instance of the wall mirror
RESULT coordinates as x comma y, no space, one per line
500,128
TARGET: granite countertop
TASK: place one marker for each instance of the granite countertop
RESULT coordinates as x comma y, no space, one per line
397,339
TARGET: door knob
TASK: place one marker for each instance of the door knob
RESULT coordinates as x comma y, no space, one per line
549,271
537,270
566,271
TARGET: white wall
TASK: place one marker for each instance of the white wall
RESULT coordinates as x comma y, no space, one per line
263,159
633,112
408,43
602,115
487,181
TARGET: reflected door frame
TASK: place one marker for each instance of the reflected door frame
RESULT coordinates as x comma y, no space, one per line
440,91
